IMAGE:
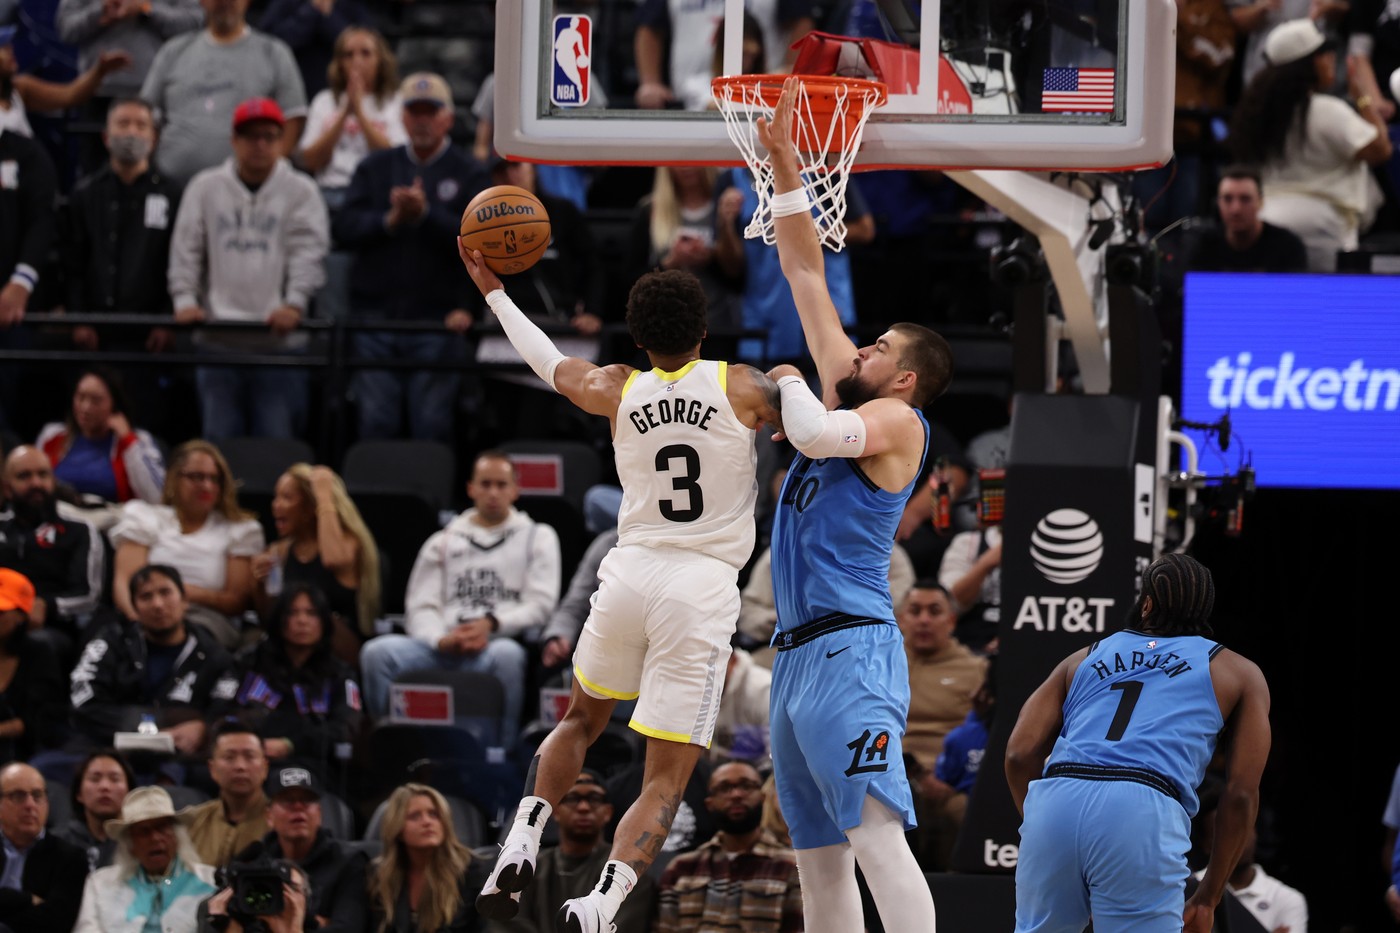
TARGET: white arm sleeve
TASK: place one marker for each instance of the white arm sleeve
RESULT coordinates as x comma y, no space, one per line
533,344
816,432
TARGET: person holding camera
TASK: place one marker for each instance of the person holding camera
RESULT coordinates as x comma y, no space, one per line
156,881
336,872
263,896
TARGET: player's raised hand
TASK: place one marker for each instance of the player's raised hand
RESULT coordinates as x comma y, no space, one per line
776,134
484,278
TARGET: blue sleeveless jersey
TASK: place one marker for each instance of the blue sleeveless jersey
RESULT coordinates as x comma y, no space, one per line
1144,702
832,536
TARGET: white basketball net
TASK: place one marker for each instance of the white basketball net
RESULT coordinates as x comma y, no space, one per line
824,163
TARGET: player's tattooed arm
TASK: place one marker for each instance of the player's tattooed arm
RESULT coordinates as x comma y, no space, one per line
755,396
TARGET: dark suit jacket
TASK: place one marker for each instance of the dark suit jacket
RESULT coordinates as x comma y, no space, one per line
55,870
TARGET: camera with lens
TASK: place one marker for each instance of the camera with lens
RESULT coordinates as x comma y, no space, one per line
256,890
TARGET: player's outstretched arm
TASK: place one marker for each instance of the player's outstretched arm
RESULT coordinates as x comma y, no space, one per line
595,389
879,426
1034,734
799,250
1249,735
754,397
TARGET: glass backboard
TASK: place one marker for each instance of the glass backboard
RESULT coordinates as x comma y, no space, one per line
1029,84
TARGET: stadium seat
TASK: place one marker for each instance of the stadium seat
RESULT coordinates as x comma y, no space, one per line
258,462
400,523
578,466
478,699
426,469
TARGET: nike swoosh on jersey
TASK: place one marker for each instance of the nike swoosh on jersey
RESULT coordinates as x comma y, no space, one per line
832,654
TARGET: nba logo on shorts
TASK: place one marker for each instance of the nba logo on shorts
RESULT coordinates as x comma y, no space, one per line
573,50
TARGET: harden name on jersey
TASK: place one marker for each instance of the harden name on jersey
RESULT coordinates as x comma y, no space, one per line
674,410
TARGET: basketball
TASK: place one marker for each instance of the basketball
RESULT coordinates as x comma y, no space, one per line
509,226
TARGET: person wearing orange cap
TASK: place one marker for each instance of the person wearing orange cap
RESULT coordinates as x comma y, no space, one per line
32,703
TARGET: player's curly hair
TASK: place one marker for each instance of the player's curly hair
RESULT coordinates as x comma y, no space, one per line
1183,595
666,311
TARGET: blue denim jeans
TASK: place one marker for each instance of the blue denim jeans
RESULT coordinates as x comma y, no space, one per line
382,659
252,401
429,395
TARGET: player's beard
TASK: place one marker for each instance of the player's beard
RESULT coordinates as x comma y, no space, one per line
738,826
853,393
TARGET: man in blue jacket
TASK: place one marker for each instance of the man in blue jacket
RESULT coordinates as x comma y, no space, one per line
402,215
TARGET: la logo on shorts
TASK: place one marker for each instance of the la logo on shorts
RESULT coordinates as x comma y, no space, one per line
869,755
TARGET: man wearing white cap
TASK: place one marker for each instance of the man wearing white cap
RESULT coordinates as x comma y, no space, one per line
156,872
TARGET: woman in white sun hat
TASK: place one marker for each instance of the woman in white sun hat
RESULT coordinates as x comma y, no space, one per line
155,872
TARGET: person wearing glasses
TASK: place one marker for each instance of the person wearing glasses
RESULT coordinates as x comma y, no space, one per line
41,875
200,530
157,882
567,870
743,878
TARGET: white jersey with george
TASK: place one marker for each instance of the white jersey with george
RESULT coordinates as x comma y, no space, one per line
686,463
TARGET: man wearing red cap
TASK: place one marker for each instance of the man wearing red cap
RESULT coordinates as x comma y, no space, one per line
249,245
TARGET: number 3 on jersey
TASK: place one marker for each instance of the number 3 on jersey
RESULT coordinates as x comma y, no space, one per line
684,482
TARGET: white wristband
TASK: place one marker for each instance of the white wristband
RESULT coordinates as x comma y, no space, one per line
533,344
791,202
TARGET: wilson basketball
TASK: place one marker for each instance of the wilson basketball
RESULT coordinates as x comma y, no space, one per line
509,226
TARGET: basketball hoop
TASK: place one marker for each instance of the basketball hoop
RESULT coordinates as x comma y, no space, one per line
827,124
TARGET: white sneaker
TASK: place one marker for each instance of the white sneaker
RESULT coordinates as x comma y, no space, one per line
581,915
495,904
514,870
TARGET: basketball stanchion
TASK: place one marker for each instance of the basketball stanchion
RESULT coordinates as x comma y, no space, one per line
827,126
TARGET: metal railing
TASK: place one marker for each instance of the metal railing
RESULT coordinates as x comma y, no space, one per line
329,356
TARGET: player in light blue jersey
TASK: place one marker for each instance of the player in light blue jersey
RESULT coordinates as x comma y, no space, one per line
840,694
1129,725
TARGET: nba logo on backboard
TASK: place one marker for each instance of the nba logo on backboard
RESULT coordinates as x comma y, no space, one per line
573,51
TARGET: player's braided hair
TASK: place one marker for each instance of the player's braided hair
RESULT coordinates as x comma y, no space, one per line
666,311
1183,594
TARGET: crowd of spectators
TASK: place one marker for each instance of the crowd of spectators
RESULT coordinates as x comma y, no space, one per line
308,182
253,178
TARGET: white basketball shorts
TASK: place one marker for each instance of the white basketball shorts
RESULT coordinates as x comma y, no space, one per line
659,631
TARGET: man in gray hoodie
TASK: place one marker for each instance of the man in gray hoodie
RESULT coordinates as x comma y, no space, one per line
479,584
249,245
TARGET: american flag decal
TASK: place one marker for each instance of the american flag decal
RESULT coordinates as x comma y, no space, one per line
1077,90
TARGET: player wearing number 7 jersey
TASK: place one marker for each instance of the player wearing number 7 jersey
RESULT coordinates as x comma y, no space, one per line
1133,720
667,601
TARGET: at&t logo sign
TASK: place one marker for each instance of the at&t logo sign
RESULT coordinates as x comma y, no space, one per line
1067,546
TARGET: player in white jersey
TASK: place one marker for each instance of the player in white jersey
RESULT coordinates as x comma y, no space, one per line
667,601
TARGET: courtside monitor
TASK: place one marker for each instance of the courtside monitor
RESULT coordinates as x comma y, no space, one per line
1059,84
1308,367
